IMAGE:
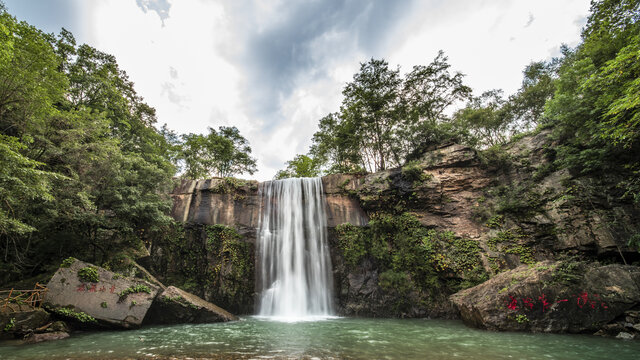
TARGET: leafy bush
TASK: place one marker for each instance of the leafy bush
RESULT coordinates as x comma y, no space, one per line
67,262
76,315
89,274
139,288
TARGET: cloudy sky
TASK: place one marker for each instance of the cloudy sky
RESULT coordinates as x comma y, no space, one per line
274,68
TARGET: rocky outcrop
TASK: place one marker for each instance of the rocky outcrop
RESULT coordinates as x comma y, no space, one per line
90,294
551,297
175,306
16,320
491,211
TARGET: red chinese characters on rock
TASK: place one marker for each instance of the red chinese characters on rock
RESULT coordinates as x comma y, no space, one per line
583,301
94,288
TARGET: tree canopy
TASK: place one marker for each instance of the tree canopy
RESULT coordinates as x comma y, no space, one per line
220,153
385,118
83,169
300,166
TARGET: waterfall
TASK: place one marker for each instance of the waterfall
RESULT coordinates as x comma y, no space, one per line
295,279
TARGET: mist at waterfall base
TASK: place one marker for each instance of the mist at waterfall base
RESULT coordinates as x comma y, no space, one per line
294,266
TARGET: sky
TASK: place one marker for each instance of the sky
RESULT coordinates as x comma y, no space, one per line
274,68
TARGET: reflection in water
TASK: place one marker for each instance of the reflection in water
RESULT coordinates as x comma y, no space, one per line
338,338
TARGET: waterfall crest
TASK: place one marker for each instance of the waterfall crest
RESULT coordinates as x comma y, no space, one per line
295,279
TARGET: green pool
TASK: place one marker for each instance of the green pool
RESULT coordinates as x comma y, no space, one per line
339,338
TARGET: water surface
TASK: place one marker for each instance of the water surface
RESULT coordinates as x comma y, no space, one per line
339,338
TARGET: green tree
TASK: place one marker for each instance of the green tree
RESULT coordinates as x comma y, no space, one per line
486,119
428,93
595,109
386,119
220,153
300,166
370,107
84,172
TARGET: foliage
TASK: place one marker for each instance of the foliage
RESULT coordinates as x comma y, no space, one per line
634,241
595,112
385,119
413,171
75,315
104,305
83,171
89,274
67,262
300,166
401,246
221,153
521,318
495,222
9,325
568,271
231,273
138,288
511,242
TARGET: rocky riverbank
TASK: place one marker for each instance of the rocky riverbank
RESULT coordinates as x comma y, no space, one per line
82,296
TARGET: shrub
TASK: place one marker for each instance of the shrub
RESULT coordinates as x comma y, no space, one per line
67,262
140,288
89,274
76,315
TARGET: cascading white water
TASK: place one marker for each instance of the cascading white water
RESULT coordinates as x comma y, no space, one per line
295,267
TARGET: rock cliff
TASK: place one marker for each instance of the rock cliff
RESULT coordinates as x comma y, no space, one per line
403,240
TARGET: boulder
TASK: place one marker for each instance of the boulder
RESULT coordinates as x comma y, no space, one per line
550,297
56,335
106,299
175,306
19,319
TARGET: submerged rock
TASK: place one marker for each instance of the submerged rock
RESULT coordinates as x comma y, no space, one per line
175,306
624,336
56,335
92,295
546,297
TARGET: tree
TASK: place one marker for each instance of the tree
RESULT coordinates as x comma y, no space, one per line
220,153
385,119
370,107
300,166
428,93
83,171
486,119
337,144
595,111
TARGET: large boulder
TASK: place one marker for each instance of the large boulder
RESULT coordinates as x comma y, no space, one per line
551,297
175,306
90,294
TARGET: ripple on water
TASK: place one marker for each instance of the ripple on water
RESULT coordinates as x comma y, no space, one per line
334,338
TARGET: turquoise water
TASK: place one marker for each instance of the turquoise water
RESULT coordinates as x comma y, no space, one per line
340,338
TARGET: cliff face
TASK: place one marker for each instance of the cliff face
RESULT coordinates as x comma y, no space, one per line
444,223
235,202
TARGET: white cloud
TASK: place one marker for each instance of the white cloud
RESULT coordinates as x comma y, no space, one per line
193,72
